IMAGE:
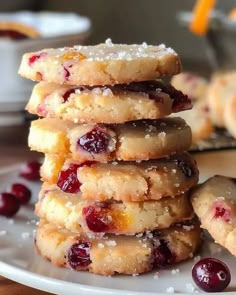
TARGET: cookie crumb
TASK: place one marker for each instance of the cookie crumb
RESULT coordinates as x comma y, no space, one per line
25,235
100,245
170,290
3,233
197,258
189,287
174,271
156,275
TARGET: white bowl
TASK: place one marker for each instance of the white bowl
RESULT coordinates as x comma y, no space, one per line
57,30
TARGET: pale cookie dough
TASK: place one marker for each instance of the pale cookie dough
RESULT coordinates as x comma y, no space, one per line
123,181
191,84
108,104
103,64
112,254
214,202
221,88
70,212
140,140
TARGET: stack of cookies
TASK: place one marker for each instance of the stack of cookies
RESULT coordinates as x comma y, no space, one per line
116,173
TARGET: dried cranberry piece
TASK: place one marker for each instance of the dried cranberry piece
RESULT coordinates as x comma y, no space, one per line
22,193
162,254
67,94
9,205
211,275
36,57
79,255
66,71
68,181
221,212
95,218
95,141
30,170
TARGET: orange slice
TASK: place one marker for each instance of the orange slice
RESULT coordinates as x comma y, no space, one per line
200,20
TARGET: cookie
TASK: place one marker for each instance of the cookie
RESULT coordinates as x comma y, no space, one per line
123,181
112,254
108,104
69,211
230,115
214,202
191,84
220,90
198,118
17,31
103,64
140,140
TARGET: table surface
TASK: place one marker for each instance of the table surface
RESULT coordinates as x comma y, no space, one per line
12,154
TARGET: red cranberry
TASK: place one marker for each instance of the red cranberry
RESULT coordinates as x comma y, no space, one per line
211,275
79,255
162,254
95,218
95,141
67,94
22,193
221,212
68,181
9,205
30,170
36,57
66,71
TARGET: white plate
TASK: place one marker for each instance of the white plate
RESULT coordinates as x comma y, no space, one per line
19,261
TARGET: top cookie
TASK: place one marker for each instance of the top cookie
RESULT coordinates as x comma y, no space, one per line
103,64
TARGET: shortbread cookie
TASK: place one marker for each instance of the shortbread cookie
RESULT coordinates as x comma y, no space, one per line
141,140
69,211
17,31
103,64
123,181
220,90
191,84
122,254
230,115
214,202
198,118
108,104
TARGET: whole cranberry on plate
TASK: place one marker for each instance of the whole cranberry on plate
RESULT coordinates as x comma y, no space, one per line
211,275
9,204
22,193
30,170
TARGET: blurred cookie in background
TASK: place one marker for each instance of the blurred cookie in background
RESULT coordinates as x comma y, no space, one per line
191,84
230,114
221,88
198,118
17,31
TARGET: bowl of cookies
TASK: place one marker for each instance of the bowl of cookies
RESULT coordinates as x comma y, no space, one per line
27,31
